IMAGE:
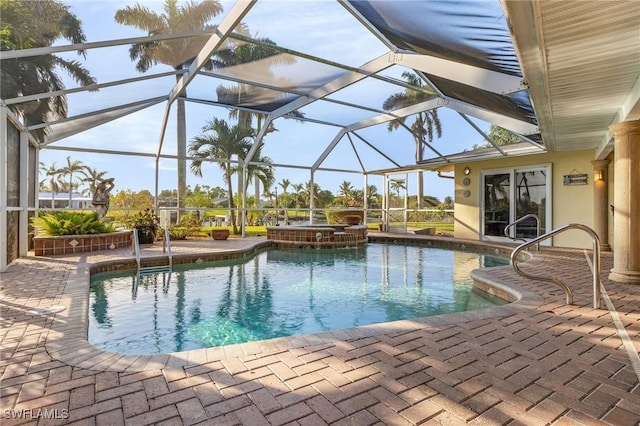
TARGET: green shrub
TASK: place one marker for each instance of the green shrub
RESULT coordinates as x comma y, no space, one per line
70,223
176,233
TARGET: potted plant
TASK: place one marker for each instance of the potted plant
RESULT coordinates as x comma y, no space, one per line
351,219
146,222
220,233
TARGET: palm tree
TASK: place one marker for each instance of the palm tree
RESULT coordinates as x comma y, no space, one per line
220,142
72,167
372,196
178,53
397,185
92,177
346,190
298,188
306,193
500,137
425,125
284,184
31,24
53,181
262,172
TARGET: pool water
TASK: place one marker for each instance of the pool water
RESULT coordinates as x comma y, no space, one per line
279,293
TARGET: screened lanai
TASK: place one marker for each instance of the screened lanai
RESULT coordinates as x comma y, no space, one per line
322,83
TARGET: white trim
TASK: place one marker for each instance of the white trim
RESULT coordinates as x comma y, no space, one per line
3,186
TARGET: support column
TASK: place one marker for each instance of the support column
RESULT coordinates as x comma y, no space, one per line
26,183
600,202
4,234
312,195
626,217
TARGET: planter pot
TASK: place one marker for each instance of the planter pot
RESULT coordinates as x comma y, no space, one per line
220,234
146,234
352,219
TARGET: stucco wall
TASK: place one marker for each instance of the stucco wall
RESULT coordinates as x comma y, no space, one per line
570,204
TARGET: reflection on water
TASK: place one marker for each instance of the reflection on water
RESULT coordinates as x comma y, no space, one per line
279,293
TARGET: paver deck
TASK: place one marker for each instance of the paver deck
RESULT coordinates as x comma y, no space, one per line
535,361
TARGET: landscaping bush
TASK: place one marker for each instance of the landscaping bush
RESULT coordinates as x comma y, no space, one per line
70,223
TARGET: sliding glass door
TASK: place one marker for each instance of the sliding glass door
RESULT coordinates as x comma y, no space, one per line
509,194
497,209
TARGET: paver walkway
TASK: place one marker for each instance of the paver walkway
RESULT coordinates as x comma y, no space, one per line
533,362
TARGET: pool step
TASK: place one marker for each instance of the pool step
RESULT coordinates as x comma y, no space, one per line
154,269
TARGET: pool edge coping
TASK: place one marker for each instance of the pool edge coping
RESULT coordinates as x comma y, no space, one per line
67,340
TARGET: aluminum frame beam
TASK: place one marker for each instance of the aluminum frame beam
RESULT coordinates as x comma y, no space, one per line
231,21
137,106
372,67
480,78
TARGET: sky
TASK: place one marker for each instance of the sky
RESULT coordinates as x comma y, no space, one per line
320,28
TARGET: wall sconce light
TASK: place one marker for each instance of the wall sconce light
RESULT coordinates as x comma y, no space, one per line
466,171
598,175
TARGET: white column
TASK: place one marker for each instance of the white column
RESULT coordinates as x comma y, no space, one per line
626,214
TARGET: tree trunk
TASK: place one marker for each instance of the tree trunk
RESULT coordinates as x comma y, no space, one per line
181,149
70,189
232,214
256,186
241,190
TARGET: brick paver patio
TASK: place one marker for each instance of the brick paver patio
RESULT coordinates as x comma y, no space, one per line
532,362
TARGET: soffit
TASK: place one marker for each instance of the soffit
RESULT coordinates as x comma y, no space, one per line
582,63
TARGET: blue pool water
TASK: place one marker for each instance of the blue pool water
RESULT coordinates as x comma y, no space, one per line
279,293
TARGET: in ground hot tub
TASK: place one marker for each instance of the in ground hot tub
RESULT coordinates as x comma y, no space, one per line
318,236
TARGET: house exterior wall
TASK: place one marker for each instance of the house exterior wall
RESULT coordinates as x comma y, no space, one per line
570,203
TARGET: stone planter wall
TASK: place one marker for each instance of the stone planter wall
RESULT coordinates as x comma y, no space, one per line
69,244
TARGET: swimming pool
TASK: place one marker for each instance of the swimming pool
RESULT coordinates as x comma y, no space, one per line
279,293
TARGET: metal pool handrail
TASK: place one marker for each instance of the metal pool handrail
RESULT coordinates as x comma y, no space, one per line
136,246
166,248
528,216
596,261
166,245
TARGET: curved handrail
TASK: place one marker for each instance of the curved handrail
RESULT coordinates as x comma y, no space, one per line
166,245
596,261
135,246
527,216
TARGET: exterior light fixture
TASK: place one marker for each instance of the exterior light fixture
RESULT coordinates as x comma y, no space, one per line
467,170
598,175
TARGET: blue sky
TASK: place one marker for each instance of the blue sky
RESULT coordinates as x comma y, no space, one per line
292,144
